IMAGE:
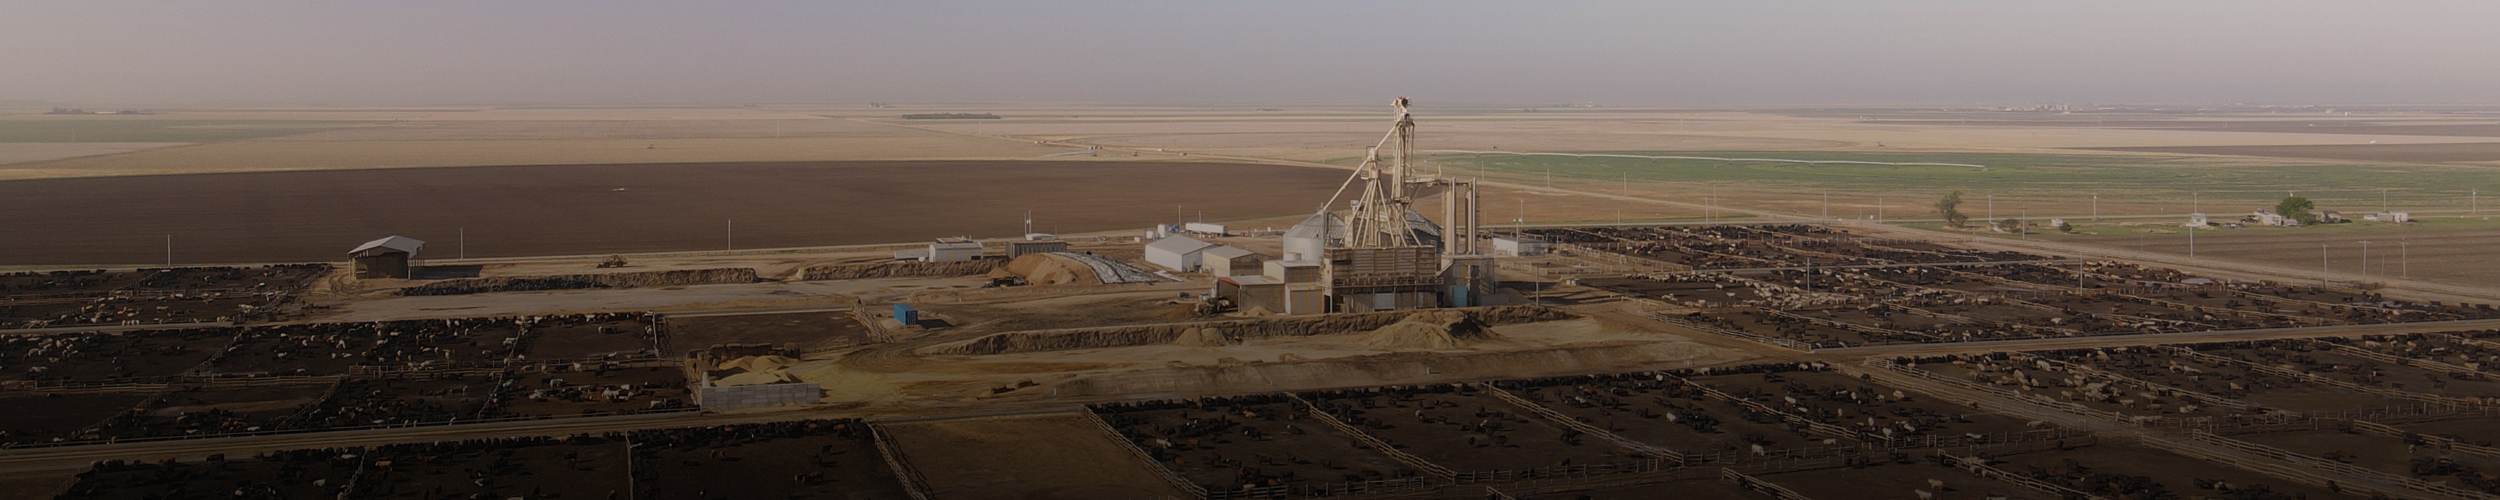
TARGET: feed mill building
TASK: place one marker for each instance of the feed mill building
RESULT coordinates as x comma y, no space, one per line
385,258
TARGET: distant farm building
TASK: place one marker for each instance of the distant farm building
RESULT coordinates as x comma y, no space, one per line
384,258
1205,228
2269,218
2330,216
944,250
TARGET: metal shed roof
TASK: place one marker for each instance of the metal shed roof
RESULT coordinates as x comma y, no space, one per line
1179,244
1225,252
399,243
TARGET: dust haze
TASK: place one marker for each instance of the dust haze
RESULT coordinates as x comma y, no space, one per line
122,54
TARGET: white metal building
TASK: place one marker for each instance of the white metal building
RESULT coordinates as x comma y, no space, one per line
1201,227
1230,261
1518,246
1178,253
954,250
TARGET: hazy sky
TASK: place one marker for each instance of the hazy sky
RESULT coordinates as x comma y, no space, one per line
99,53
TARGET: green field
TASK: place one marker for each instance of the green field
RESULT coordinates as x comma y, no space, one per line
134,129
2029,177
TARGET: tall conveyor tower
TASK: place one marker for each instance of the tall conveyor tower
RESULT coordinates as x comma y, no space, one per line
1390,256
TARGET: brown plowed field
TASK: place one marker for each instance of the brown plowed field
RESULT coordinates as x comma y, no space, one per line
593,209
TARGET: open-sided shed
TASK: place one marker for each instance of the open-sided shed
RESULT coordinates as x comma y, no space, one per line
385,258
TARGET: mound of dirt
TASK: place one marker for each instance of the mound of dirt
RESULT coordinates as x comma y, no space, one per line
1047,269
1436,329
1204,337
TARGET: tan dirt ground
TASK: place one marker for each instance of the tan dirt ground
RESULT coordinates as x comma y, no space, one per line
23,152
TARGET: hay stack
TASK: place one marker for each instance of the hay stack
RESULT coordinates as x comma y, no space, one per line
1431,330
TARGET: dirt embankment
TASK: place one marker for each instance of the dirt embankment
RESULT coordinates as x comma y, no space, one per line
1391,368
646,279
899,270
1441,328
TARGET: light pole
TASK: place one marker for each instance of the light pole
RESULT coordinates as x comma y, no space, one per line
2323,266
2365,259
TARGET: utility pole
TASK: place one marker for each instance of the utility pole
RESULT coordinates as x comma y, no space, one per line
2191,242
2323,266
169,250
464,243
730,240
1992,208
2382,200
2096,207
1879,208
2404,259
1827,204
